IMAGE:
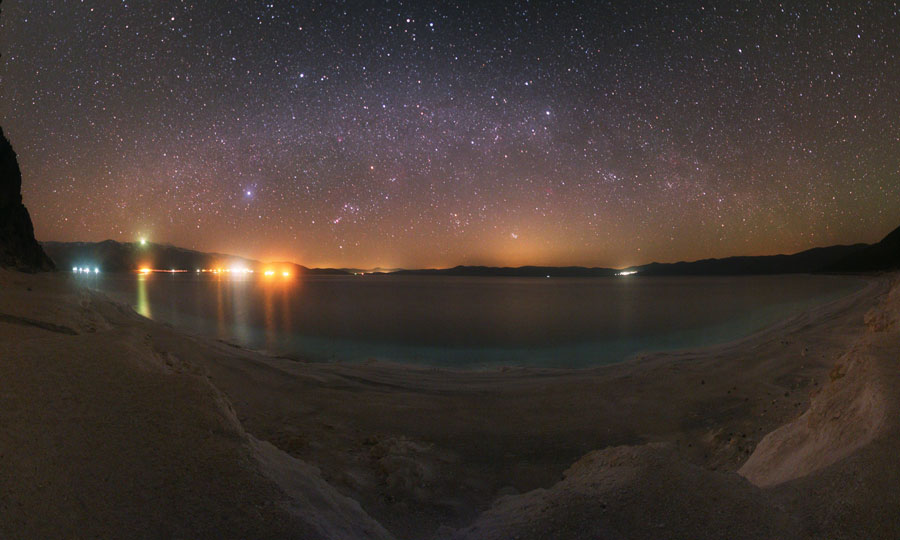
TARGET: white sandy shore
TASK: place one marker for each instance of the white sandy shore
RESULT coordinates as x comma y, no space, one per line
115,426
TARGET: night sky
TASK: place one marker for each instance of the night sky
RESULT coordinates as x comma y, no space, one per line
418,134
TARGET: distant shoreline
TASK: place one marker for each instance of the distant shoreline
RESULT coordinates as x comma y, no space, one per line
131,256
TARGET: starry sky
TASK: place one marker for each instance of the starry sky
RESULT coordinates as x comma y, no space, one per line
430,134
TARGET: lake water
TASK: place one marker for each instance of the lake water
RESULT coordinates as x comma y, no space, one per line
470,322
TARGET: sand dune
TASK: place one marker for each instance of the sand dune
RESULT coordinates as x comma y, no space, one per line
106,436
115,426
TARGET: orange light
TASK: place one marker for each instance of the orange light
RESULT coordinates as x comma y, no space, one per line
145,270
269,272
286,274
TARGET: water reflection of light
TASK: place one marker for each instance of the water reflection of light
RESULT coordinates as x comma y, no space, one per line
286,293
241,315
143,305
276,312
269,316
220,308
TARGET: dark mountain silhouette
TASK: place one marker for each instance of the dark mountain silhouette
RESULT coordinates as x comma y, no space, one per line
18,248
376,270
809,261
112,256
885,255
521,271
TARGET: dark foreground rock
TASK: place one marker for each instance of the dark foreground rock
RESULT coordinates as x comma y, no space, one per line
18,248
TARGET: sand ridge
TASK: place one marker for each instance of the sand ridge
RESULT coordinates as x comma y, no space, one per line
106,436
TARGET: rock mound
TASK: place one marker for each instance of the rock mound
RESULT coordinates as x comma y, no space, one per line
636,492
844,418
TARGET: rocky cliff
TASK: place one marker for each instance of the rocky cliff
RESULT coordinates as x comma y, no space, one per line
18,248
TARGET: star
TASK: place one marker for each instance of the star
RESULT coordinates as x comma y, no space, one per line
591,130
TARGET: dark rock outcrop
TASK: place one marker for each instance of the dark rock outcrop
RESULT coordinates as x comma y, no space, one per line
18,248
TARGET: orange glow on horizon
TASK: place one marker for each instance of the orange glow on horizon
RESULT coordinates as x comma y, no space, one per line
146,270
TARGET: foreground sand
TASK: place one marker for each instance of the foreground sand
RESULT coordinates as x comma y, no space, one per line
117,426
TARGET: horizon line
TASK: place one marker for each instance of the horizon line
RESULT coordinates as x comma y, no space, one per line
384,269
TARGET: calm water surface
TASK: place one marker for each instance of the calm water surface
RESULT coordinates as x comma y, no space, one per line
471,322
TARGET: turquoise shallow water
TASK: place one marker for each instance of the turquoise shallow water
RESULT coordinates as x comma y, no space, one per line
472,322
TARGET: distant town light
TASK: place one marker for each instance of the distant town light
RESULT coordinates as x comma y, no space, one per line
96,270
74,268
286,274
143,241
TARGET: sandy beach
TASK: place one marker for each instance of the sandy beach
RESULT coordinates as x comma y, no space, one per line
117,426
